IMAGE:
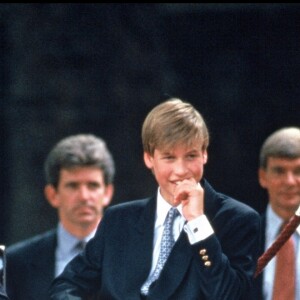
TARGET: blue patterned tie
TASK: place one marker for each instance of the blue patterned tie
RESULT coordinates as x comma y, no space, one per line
166,245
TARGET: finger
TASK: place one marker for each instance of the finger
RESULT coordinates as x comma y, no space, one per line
181,196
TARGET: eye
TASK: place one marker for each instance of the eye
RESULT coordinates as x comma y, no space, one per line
72,185
278,171
94,185
192,156
168,157
297,172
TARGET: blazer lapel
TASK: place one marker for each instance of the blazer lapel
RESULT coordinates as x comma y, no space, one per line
140,251
42,265
174,270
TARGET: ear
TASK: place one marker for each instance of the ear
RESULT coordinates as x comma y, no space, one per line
205,156
109,191
50,194
148,159
262,177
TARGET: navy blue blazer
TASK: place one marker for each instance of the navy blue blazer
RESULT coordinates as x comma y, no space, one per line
30,267
257,291
118,259
3,295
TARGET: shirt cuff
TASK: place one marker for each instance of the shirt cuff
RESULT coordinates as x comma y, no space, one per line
198,229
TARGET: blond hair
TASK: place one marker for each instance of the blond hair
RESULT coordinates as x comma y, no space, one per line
172,122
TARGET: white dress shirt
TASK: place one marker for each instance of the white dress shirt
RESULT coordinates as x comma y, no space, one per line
197,229
273,224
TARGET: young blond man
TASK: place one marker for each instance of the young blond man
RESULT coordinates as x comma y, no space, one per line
215,236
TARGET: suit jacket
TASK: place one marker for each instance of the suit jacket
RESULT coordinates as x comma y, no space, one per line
30,267
257,291
118,259
3,295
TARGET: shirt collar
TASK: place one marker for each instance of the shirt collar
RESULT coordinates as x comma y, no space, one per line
66,241
162,208
275,223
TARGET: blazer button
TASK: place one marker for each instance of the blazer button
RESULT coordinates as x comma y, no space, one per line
202,252
207,264
205,257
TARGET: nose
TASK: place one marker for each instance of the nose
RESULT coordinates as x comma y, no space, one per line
291,178
83,192
180,168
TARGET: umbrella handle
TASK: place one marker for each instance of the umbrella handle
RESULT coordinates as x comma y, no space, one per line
284,235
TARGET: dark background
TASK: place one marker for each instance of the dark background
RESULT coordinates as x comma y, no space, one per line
99,68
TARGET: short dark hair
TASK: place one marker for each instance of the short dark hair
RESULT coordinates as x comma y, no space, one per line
284,143
79,151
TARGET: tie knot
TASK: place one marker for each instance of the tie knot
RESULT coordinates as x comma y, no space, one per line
173,213
80,245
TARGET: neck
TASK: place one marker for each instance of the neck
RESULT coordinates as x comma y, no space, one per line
82,230
284,213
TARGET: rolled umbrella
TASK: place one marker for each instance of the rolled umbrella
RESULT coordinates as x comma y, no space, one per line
284,235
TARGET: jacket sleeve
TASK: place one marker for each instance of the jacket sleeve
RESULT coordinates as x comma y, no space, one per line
232,254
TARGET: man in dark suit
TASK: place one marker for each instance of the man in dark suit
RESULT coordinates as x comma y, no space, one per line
214,255
79,173
279,175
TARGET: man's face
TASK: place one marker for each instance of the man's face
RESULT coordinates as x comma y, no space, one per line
80,196
174,165
281,179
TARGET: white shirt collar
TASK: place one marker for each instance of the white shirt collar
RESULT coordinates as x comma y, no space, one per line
162,208
274,223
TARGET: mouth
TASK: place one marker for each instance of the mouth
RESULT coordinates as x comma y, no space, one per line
85,209
291,194
176,182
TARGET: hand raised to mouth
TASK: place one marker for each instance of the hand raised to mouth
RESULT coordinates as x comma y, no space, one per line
190,194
